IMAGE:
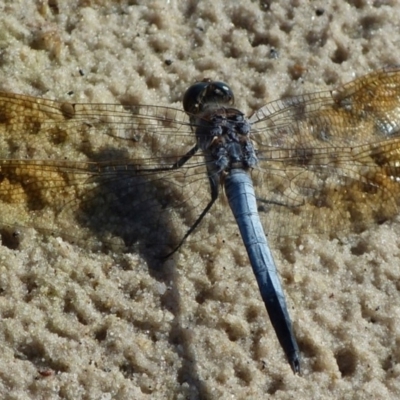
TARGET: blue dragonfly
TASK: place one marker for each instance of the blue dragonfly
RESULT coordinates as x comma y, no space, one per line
145,177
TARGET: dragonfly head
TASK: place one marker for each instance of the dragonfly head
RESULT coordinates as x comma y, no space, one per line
206,92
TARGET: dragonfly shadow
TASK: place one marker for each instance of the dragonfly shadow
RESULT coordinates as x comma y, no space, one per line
127,211
131,212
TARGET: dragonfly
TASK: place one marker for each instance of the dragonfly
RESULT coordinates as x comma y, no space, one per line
145,177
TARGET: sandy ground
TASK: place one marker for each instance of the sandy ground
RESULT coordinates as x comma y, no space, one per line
80,325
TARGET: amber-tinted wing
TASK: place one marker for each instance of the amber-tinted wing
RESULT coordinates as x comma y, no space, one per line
103,173
330,161
98,172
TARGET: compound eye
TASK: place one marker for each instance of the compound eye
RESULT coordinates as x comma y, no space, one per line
207,92
220,92
193,96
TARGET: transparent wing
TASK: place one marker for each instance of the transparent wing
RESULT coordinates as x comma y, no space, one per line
330,161
98,171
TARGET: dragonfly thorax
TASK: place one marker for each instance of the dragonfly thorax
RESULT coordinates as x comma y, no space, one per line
223,135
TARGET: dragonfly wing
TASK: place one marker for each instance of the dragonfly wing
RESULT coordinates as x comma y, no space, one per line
330,161
121,182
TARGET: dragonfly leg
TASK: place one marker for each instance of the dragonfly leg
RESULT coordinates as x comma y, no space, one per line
214,195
